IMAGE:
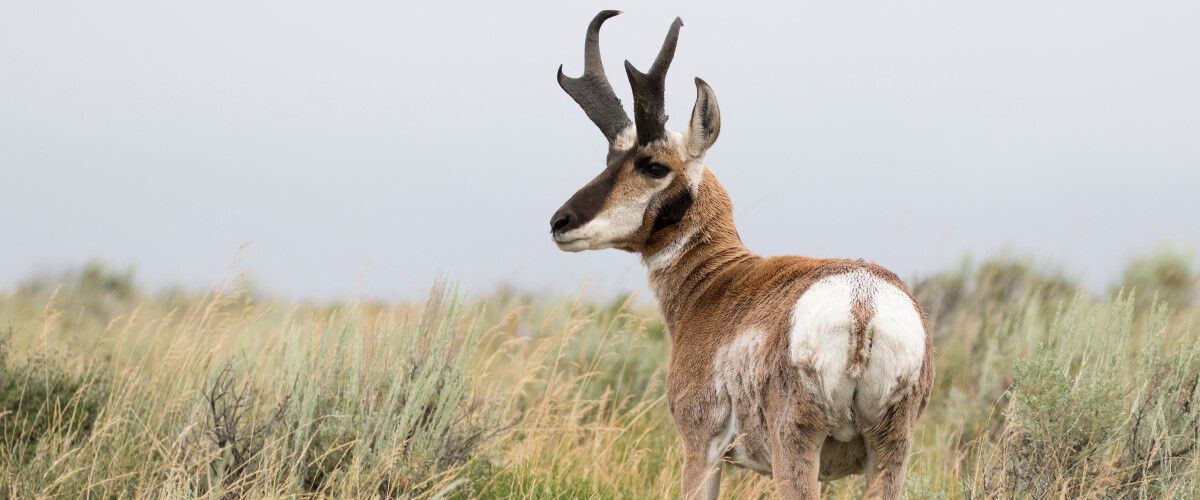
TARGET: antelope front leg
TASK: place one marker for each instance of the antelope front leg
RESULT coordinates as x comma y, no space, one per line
701,477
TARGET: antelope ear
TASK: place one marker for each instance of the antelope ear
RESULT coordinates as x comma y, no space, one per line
706,121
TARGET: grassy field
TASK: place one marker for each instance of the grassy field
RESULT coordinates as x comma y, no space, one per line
1042,390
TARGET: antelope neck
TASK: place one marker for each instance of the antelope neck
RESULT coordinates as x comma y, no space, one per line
707,251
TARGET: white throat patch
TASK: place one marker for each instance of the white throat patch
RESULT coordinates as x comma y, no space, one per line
669,254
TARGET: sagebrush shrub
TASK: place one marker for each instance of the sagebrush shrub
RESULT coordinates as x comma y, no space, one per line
40,399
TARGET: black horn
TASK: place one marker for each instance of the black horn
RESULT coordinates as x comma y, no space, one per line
592,90
649,108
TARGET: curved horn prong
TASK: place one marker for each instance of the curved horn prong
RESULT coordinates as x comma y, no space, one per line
592,90
649,99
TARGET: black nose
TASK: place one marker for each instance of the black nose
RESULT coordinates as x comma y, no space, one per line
561,220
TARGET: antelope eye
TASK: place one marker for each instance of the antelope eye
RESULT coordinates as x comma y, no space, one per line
656,170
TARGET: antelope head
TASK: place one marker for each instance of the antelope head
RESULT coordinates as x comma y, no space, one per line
652,175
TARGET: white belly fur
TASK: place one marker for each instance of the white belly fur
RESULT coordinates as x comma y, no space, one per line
736,366
822,326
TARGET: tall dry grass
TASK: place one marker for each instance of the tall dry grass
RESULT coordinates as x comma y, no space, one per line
1043,389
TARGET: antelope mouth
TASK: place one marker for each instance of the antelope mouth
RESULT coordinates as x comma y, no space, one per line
568,244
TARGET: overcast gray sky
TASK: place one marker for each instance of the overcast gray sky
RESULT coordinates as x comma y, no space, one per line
366,147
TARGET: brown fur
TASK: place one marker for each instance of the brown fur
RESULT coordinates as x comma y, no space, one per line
860,344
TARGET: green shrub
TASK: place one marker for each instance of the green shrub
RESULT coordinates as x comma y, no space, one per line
1093,414
385,409
1166,273
39,400
995,283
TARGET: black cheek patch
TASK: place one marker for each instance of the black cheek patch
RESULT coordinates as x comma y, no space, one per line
672,211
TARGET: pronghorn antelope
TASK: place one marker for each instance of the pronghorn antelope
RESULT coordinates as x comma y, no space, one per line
805,369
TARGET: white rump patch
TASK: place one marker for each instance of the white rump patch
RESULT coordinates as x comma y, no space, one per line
896,353
822,331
